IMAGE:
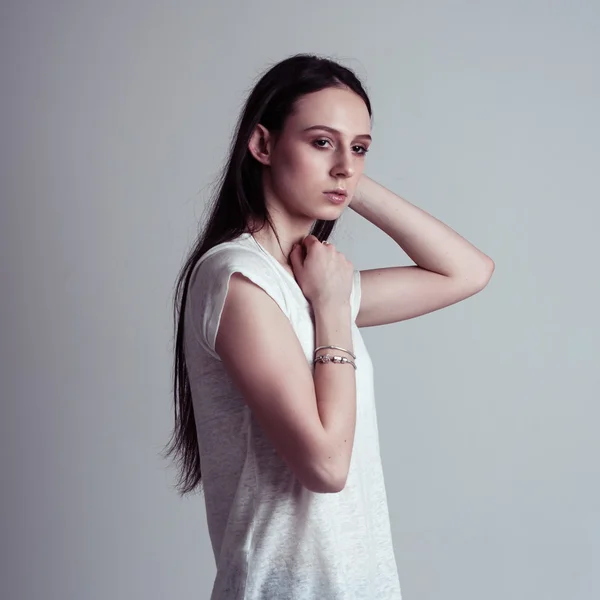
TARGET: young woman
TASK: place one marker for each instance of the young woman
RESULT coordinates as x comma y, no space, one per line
274,407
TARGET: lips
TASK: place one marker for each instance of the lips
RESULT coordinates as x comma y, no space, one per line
336,198
337,192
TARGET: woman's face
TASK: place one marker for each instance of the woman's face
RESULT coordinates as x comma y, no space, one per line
321,147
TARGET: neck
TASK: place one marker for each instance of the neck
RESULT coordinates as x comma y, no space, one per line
287,238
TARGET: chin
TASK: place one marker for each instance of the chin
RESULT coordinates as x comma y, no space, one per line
332,214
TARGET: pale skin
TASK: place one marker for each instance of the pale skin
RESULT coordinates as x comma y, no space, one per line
302,164
310,417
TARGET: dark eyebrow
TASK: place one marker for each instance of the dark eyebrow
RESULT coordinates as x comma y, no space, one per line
336,132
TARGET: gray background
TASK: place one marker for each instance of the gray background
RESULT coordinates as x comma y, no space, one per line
116,118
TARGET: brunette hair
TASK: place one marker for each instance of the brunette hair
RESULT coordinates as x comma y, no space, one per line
238,200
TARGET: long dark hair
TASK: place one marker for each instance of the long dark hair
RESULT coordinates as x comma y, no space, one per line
238,200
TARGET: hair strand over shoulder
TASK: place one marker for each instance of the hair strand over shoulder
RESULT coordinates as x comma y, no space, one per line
239,201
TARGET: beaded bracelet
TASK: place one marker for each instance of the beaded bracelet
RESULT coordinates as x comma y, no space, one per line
326,358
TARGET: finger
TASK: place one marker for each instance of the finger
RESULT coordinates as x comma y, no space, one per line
310,239
295,255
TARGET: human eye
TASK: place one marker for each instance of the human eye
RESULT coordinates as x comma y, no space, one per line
360,149
317,142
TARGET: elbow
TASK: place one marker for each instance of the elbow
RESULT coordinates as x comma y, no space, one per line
326,481
326,486
480,277
337,485
473,278
486,272
325,469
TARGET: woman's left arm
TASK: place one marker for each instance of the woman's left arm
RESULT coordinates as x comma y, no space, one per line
447,267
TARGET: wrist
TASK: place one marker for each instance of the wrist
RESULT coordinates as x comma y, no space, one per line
359,192
332,309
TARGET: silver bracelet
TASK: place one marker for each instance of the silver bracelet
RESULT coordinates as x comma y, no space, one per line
326,358
336,348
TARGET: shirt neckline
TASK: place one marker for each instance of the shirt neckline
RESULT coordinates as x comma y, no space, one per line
281,268
279,265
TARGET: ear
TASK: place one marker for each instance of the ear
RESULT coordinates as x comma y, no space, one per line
260,144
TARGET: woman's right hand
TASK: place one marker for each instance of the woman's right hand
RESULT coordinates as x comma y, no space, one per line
323,274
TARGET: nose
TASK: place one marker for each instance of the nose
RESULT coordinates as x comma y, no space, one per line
343,166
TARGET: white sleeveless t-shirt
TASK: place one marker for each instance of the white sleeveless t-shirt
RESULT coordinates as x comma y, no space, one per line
272,538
